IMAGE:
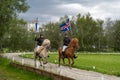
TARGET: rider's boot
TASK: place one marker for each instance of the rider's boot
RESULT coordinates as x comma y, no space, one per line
75,56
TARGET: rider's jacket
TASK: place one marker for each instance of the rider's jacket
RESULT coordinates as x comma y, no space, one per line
39,41
66,41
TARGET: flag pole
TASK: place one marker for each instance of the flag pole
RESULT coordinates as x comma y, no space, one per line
70,30
36,30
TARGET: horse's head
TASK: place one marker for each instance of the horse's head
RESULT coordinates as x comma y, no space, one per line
46,43
74,43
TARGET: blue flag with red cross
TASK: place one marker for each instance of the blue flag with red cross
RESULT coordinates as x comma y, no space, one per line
65,26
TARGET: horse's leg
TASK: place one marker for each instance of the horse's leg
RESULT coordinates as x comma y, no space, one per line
68,60
60,53
35,57
59,61
63,60
72,61
45,60
40,61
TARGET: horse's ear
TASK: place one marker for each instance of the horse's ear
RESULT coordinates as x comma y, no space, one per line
74,40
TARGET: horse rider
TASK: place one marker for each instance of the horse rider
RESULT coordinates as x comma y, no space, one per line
39,43
66,42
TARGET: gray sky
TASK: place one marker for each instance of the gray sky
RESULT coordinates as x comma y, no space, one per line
52,10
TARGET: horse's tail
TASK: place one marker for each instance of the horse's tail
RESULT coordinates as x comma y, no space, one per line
60,51
60,54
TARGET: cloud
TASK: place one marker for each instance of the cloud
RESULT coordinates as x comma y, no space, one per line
105,10
52,10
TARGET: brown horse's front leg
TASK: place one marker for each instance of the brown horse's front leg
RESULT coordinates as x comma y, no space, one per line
63,60
59,61
68,60
72,61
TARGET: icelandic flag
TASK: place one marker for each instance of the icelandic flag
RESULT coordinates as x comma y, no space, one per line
65,26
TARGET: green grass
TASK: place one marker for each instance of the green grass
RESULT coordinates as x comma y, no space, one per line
104,63
108,64
7,72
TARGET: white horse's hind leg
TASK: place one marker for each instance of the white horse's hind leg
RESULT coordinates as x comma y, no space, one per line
40,60
45,60
35,57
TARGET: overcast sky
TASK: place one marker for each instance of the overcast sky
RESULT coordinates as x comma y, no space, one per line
52,10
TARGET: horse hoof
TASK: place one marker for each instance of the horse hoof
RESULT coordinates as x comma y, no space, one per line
45,63
70,67
48,56
62,57
40,65
59,65
75,57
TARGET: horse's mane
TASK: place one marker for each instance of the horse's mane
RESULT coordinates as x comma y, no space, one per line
46,42
73,42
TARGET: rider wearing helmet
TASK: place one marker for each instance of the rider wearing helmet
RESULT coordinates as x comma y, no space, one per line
66,42
39,42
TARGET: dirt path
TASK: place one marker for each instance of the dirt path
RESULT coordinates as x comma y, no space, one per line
77,74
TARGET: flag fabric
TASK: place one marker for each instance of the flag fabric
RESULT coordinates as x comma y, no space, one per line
65,26
36,25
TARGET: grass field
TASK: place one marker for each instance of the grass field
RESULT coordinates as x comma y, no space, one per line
8,72
104,63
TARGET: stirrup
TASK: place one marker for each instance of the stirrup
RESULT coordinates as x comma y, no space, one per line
63,56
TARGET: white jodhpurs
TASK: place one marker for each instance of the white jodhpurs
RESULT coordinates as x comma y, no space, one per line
37,48
64,47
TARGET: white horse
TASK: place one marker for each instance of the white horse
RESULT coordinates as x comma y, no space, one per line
42,53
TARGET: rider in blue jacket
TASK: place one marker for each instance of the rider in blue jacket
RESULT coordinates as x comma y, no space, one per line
66,42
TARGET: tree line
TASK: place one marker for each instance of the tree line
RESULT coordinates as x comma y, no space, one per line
93,34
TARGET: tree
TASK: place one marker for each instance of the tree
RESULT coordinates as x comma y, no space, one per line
101,38
109,30
17,38
9,10
85,28
56,35
87,31
116,34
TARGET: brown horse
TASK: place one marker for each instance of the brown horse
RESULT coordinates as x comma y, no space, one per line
69,52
